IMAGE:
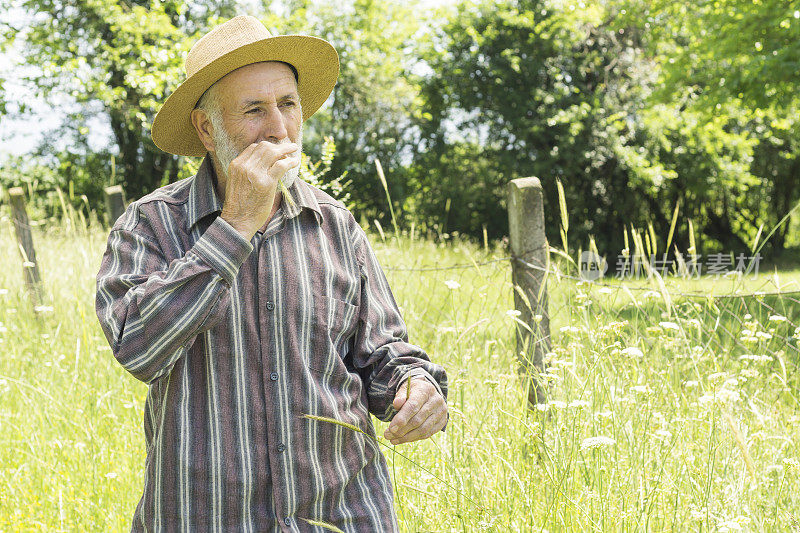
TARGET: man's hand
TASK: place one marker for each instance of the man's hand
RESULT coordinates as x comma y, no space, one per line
421,412
252,183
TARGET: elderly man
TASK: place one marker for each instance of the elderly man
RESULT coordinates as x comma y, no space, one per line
246,309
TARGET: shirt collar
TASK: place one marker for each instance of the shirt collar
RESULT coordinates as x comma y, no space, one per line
203,199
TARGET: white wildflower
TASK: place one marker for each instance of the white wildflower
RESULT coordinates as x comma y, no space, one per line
669,325
755,358
513,312
791,464
3,292
777,318
632,351
569,329
735,524
605,290
558,404
697,515
111,475
728,525
452,284
642,389
597,442
763,335
578,404
774,470
720,397
691,384
43,309
663,434
748,316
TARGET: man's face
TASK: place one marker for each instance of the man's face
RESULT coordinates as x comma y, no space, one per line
258,102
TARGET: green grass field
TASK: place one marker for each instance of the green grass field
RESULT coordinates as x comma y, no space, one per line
679,416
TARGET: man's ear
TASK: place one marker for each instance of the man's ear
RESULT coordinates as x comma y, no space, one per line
204,128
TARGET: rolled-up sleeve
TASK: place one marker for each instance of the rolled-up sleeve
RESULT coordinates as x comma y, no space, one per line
151,310
381,347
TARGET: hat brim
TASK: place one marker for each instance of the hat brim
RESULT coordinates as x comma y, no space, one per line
317,65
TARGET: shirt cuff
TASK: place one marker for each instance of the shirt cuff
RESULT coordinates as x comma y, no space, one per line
223,248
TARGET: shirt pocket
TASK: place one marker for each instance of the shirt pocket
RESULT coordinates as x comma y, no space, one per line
337,322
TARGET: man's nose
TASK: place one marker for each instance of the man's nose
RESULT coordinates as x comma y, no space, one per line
274,128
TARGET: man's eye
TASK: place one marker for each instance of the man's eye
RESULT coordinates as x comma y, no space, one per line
288,103
252,111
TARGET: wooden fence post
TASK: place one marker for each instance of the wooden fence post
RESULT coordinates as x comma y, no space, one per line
30,267
530,252
115,203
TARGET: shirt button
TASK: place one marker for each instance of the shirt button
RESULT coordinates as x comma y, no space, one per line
287,521
270,306
282,447
274,376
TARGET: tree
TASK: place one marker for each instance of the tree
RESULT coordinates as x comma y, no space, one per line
723,49
116,59
537,91
734,64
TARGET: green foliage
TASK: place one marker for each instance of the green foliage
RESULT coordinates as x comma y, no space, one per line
318,174
117,60
370,112
71,180
539,92
634,106
562,92
722,49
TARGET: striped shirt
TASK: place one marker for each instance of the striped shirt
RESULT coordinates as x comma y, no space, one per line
237,340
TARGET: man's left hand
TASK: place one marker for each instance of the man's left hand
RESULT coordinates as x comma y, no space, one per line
421,412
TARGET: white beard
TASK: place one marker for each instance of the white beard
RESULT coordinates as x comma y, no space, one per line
227,152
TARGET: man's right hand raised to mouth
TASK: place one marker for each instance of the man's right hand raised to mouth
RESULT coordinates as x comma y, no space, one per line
250,189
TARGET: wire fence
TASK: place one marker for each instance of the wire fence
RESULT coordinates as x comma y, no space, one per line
737,323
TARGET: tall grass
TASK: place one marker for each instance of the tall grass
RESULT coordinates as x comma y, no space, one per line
659,416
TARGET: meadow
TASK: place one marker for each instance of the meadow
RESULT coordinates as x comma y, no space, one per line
667,410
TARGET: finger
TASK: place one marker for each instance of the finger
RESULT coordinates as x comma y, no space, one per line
410,408
275,151
403,394
418,408
430,426
263,154
281,166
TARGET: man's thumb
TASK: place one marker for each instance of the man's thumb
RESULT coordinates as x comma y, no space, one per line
403,392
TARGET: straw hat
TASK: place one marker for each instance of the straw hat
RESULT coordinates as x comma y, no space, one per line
242,41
